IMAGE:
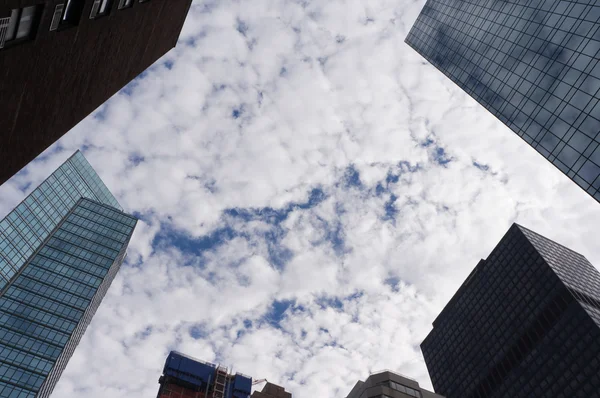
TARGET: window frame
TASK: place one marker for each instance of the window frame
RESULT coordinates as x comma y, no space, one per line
125,4
17,13
99,13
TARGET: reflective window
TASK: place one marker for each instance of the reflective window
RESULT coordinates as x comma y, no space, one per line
64,271
544,56
20,26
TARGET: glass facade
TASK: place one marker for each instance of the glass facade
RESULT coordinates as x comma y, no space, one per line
60,249
533,64
524,324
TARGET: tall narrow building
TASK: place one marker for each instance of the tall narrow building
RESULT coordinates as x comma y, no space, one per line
533,64
60,249
186,377
387,384
525,323
62,59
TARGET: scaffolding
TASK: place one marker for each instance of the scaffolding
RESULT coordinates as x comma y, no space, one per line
221,382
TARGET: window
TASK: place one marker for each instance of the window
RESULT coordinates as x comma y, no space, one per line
404,389
100,8
19,26
125,4
73,10
67,14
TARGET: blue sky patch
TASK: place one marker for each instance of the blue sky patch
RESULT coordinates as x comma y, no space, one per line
169,237
242,27
351,178
198,332
277,312
441,157
390,208
481,166
136,159
237,112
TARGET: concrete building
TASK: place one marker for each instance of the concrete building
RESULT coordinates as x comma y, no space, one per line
60,250
525,323
62,59
387,384
271,390
187,377
533,64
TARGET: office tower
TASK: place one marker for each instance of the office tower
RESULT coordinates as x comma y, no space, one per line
532,64
59,252
525,323
271,390
62,59
387,384
186,377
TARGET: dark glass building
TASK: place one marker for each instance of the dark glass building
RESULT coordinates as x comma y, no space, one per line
525,323
60,249
533,64
187,377
387,384
62,59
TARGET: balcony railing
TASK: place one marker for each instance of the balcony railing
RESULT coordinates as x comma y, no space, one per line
3,30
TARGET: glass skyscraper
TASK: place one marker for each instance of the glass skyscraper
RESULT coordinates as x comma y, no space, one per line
60,249
525,323
531,63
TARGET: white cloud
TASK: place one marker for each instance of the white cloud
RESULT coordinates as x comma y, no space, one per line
317,88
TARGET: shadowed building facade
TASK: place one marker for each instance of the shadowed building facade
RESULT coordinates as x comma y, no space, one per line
525,323
533,64
388,384
62,59
60,250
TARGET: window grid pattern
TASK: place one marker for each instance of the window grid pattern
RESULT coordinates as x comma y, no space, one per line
572,268
533,64
48,305
29,224
495,336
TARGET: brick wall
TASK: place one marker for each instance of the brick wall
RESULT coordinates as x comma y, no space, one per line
51,83
169,390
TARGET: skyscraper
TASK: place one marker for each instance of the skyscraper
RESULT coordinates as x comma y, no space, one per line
533,64
62,59
186,377
60,249
525,323
387,384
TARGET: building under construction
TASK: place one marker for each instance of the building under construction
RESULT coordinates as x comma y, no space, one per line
185,377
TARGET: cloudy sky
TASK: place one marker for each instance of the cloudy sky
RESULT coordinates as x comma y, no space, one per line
311,193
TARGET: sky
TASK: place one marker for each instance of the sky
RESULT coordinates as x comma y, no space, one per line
311,192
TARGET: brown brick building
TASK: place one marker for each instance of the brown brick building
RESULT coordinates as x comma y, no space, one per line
62,59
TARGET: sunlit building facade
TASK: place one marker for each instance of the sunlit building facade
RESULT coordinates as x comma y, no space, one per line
60,249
